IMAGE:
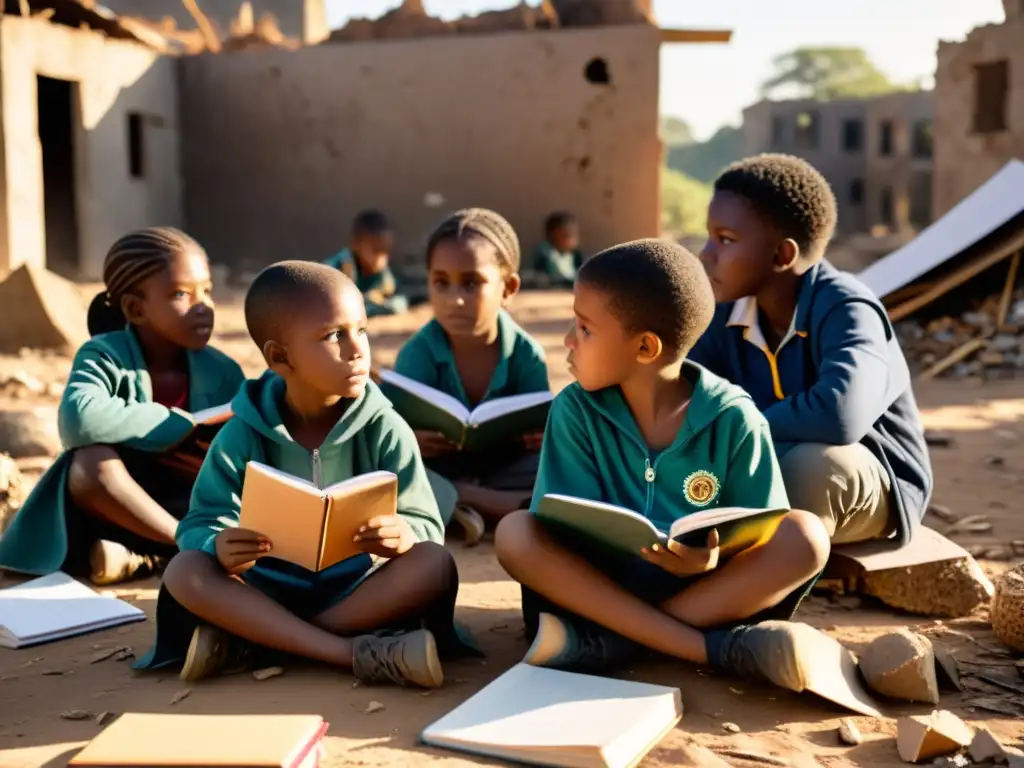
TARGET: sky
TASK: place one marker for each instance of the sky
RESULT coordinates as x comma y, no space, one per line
708,85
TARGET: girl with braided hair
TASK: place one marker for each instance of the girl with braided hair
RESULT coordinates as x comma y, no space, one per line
474,351
109,505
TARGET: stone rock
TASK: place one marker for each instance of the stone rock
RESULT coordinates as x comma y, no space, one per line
923,737
901,665
1004,342
948,588
29,432
1007,611
42,310
985,748
849,733
12,491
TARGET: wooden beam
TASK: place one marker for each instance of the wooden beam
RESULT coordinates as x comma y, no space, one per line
956,279
696,35
964,350
1011,282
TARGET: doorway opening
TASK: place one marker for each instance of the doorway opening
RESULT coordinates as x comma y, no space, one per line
57,102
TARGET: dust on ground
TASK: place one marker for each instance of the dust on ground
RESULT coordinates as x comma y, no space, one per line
981,472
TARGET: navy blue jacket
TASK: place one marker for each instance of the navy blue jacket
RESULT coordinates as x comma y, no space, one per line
839,377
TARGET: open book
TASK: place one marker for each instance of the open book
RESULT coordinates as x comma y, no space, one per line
56,606
623,529
549,717
210,741
216,414
488,425
309,526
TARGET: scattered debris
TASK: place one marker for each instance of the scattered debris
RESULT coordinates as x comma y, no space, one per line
947,673
694,756
77,714
953,761
124,653
945,514
1006,686
985,748
104,718
849,733
269,672
993,704
29,432
754,757
936,438
901,665
922,737
181,695
103,655
947,588
372,707
12,490
971,524
731,728
1007,610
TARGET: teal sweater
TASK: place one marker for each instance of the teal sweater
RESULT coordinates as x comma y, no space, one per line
108,401
369,436
594,450
380,291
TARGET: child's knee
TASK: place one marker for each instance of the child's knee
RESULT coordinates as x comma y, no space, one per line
188,572
434,564
515,537
90,471
804,539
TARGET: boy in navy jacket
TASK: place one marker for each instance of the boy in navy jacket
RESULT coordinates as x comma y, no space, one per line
816,351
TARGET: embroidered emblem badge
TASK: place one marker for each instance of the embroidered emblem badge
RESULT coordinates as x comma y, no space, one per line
700,488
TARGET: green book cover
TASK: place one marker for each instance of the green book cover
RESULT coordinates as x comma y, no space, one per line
625,530
488,425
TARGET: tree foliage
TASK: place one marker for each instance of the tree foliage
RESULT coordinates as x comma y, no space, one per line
704,160
684,203
676,132
826,73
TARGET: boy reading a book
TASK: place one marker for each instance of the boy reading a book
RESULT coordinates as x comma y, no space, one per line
558,258
314,415
647,430
474,351
365,262
815,350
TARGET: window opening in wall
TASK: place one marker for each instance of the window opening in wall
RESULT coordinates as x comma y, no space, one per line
888,209
921,199
596,72
857,191
806,136
991,91
56,105
778,131
136,145
885,138
921,142
853,135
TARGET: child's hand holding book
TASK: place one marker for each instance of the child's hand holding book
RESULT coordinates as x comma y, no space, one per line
385,536
433,444
681,560
532,441
238,549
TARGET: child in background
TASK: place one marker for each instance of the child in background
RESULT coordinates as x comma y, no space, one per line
473,351
645,429
314,415
558,258
365,262
815,350
110,504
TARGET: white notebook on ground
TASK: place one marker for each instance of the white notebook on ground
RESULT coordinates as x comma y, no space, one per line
548,717
56,606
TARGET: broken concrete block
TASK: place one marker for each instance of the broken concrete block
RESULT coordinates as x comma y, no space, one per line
923,737
1007,612
42,311
947,672
901,665
12,491
985,748
26,432
948,588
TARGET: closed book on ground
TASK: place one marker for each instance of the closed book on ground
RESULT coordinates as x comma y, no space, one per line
56,606
310,526
623,529
549,717
211,741
488,425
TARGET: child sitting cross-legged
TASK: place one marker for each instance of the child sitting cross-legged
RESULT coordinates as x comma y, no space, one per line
110,504
644,429
314,415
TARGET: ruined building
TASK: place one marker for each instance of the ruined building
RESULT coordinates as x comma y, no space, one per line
267,153
876,153
979,118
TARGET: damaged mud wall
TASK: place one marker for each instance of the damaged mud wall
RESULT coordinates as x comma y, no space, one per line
282,148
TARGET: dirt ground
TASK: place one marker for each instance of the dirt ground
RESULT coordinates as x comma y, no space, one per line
979,473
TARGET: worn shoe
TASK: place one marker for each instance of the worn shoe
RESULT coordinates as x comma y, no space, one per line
213,652
113,563
777,651
471,523
563,644
406,659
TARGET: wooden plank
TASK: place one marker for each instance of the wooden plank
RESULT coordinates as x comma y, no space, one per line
900,295
696,35
956,279
1011,282
964,350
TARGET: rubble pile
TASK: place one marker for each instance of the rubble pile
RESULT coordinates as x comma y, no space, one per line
969,344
